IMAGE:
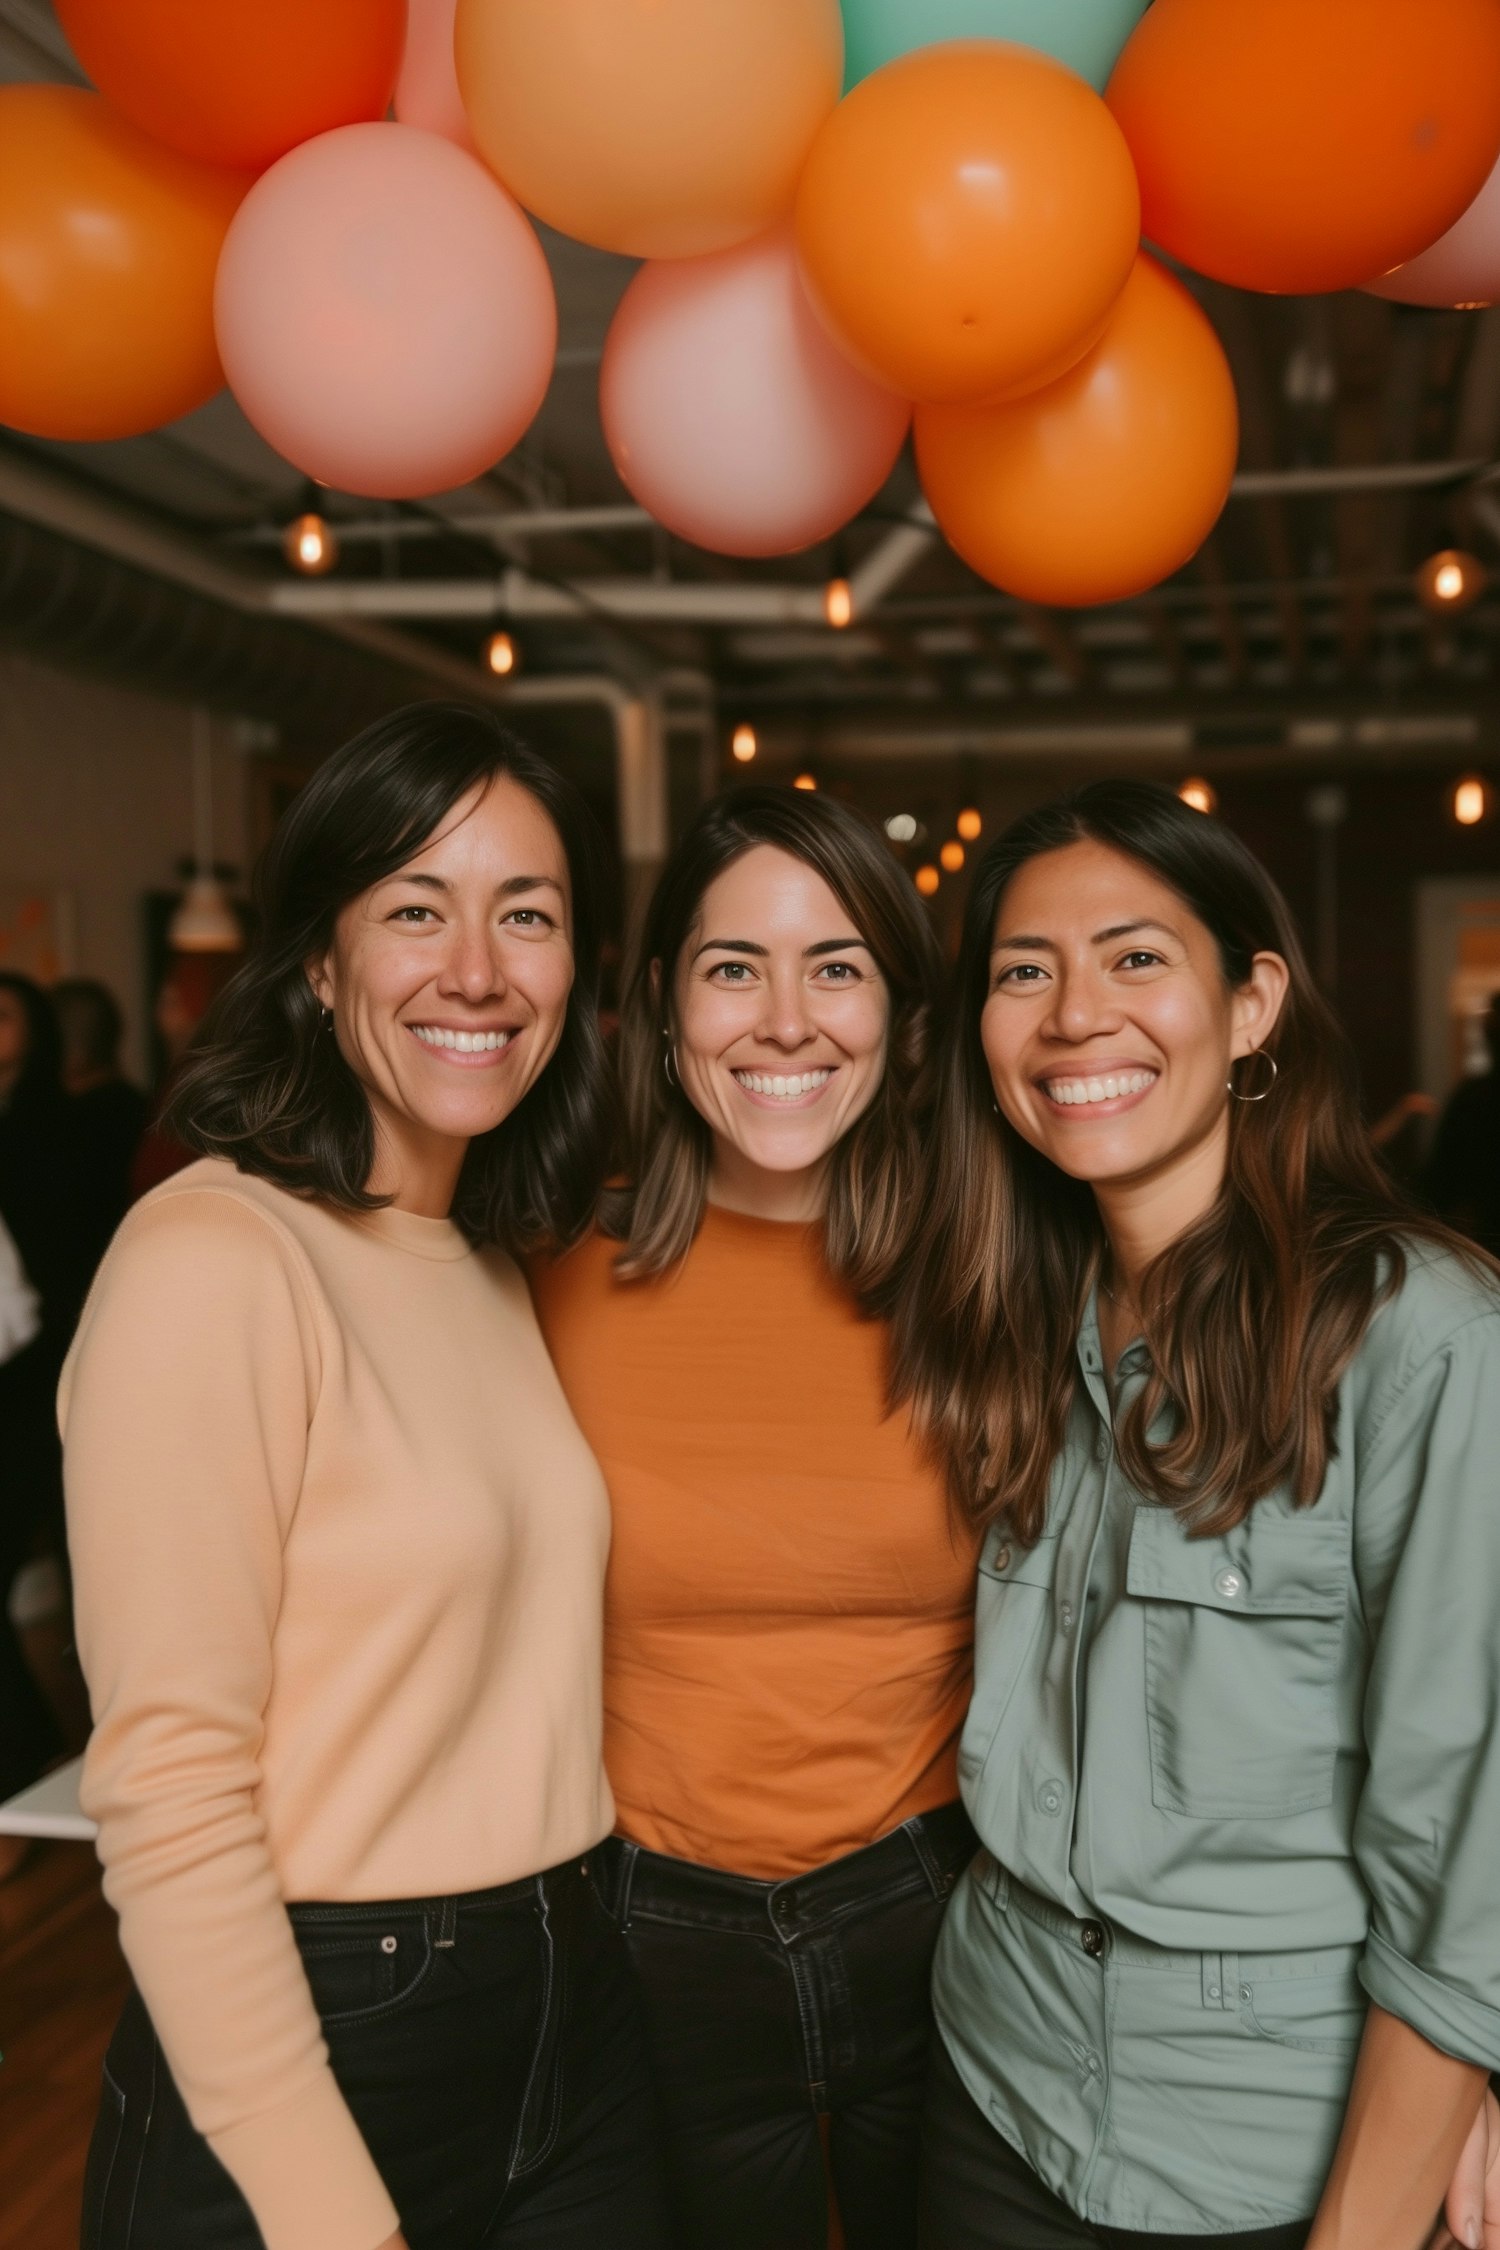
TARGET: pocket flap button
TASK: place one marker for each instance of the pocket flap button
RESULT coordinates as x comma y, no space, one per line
1002,1558
1230,1584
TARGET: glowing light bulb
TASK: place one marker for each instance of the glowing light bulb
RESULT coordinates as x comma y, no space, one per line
968,824
1471,802
927,880
838,603
1201,795
743,744
501,654
805,781
1450,580
952,857
309,546
901,828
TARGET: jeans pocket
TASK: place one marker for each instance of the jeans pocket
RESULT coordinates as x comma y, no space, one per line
363,1971
108,2182
1318,2015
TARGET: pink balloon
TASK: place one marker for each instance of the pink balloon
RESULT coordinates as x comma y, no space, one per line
427,89
729,413
384,311
1463,265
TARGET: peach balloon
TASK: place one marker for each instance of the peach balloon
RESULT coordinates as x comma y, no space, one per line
427,89
108,246
662,128
385,312
1109,480
966,220
730,415
1462,267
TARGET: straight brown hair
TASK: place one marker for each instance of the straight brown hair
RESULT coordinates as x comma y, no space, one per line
875,1171
1252,1316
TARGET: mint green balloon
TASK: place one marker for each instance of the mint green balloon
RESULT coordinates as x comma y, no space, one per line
1087,35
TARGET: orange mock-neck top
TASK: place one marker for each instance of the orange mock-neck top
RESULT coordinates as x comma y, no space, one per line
789,1606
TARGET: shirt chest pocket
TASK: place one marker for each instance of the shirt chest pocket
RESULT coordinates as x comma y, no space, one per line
1242,1643
1015,1594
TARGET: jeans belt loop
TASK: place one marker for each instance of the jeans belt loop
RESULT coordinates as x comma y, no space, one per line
915,1832
447,1932
629,1854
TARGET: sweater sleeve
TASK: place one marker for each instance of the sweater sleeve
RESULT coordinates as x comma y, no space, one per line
185,1410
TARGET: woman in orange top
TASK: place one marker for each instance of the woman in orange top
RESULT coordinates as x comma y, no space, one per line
789,1608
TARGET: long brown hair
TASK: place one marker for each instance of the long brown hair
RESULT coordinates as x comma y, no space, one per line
875,1170
1252,1315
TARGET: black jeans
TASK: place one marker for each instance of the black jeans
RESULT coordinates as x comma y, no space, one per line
978,2194
491,2050
779,2012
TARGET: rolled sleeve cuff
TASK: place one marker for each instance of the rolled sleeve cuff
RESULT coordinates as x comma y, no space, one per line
307,2176
1450,2020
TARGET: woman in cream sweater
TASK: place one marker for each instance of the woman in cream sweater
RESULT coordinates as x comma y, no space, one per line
339,1550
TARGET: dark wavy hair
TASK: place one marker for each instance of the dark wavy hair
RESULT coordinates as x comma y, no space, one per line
1252,1315
262,1086
876,1168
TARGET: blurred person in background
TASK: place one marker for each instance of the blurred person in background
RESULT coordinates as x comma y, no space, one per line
106,1113
20,1320
192,983
1462,1179
37,1223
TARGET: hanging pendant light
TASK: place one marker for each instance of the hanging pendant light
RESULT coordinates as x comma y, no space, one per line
205,920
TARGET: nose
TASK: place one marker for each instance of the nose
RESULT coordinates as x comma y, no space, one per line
784,1020
1083,1007
472,964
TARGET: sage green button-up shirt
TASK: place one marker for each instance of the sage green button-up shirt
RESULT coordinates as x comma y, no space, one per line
1231,1789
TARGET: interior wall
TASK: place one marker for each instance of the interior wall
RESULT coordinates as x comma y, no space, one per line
96,811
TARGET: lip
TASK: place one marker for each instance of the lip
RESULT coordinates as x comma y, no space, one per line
1087,1112
779,1102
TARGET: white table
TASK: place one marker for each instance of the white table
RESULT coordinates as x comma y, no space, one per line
49,1807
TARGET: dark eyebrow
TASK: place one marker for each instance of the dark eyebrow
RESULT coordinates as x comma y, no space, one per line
1100,937
507,889
835,945
730,945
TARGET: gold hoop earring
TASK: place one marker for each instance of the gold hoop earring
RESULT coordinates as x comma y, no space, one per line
1259,1054
669,1059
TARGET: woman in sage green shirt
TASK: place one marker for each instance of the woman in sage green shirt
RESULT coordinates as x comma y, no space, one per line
1228,1966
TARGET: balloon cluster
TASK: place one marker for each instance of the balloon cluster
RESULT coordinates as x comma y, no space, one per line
851,220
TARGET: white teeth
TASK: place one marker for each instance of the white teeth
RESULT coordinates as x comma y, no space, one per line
780,1088
1074,1092
463,1042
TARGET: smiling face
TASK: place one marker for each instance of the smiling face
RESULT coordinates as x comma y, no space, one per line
779,1017
449,986
1110,1030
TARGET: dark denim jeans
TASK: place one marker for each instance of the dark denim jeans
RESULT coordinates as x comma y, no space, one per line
491,2049
783,2012
979,2194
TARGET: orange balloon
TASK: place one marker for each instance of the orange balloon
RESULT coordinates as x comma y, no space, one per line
663,128
1306,145
239,81
1106,482
966,220
108,246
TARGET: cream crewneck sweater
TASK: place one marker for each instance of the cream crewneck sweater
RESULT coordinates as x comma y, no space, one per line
339,1552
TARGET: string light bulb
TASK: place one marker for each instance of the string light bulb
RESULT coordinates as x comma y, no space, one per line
742,744
1201,795
927,880
805,781
952,856
1471,801
309,545
501,655
901,828
838,603
969,824
1450,581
